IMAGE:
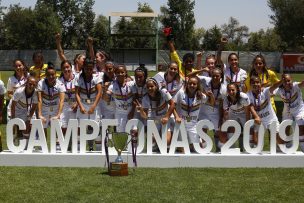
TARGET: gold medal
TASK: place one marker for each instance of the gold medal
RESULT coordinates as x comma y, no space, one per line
51,108
188,119
88,101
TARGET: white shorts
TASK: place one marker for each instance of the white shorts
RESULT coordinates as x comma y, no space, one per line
213,117
93,116
66,116
122,121
298,117
48,115
240,118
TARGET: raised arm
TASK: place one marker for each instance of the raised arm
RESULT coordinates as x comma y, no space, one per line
275,86
60,51
90,47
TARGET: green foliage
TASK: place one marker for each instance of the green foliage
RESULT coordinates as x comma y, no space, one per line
288,19
76,18
101,33
179,15
30,29
262,40
130,30
212,38
235,32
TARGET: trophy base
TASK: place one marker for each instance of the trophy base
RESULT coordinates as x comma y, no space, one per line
118,169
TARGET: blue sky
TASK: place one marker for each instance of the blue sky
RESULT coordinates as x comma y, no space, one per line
252,13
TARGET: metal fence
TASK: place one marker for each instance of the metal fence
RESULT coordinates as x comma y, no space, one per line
245,58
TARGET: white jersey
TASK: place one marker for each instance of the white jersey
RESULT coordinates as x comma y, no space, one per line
171,87
50,94
70,97
237,109
207,111
238,77
107,108
188,108
123,96
219,94
157,110
13,83
23,104
2,88
293,101
262,106
139,91
87,90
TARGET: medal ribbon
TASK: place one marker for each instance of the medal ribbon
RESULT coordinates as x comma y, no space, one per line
50,90
88,88
236,75
26,99
288,99
69,93
257,101
189,106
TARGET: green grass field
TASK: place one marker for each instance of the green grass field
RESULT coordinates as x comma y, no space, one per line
29,184
39,184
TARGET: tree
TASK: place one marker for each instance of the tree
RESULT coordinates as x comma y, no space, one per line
134,29
235,33
101,33
144,25
179,15
2,28
212,38
264,41
288,19
30,29
76,18
197,38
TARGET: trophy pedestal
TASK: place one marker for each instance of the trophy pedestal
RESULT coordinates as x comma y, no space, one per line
118,169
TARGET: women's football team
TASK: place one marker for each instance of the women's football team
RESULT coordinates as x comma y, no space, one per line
94,87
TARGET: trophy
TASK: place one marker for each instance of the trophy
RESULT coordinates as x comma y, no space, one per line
119,141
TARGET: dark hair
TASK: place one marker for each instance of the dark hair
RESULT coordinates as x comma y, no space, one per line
253,71
121,65
25,71
36,54
141,69
88,61
238,92
188,55
61,66
231,54
199,90
50,66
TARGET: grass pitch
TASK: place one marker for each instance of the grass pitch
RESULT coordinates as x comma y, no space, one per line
29,184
